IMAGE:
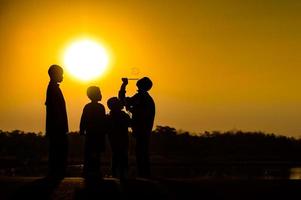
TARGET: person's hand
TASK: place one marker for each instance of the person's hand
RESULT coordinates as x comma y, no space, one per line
125,81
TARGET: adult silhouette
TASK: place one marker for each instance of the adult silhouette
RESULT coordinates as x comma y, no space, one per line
56,124
142,107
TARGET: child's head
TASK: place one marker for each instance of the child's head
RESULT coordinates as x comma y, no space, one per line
144,84
114,104
94,93
55,73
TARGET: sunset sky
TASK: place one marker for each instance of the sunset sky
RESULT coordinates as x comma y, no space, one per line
216,65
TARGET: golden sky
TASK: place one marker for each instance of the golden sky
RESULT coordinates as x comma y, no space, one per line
216,65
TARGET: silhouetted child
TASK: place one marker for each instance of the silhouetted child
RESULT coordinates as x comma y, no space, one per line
93,126
142,107
118,124
56,124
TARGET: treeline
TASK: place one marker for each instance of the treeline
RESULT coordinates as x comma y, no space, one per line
226,146
167,143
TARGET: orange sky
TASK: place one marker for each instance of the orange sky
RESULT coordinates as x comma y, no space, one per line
216,65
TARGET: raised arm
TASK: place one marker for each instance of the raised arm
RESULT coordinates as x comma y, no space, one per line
122,91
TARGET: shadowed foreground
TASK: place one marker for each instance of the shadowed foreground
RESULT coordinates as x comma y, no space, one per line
76,188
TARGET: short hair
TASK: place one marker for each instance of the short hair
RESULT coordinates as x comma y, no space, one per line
93,92
144,84
114,103
54,70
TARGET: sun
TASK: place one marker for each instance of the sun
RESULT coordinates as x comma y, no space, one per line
86,59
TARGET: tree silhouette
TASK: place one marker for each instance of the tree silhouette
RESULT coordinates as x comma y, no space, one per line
28,151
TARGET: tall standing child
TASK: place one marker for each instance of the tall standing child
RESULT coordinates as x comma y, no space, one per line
142,107
93,126
56,124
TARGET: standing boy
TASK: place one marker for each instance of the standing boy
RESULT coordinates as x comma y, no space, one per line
93,126
142,107
56,124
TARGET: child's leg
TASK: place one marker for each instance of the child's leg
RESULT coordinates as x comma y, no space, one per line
96,164
114,164
92,159
124,165
87,158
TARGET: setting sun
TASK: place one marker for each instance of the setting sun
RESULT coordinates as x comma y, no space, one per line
86,59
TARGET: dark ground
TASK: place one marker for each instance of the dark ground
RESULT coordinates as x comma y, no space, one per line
155,189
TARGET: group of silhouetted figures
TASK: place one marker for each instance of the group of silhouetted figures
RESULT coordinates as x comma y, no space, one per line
95,124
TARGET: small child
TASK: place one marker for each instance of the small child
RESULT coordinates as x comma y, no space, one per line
93,126
118,124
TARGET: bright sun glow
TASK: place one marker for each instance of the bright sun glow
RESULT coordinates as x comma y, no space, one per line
86,59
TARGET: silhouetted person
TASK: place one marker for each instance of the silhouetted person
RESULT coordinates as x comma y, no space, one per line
142,107
56,124
93,126
118,124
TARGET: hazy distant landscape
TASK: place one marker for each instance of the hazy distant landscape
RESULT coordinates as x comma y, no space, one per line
174,154
212,165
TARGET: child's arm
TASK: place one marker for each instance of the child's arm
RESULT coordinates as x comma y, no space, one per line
122,91
83,123
127,119
108,125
